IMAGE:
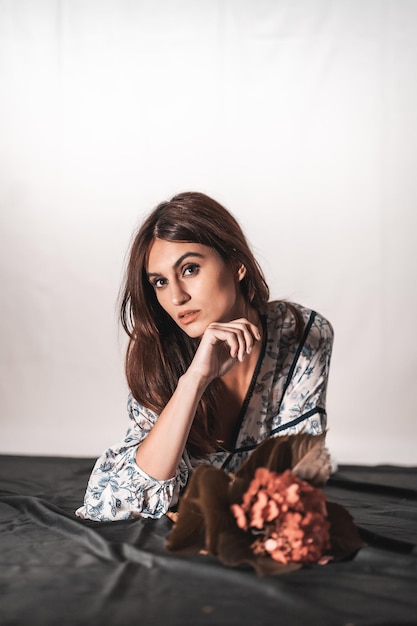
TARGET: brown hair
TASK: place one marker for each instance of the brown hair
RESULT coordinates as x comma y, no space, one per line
159,352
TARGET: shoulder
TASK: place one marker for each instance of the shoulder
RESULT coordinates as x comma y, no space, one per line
283,315
285,309
139,413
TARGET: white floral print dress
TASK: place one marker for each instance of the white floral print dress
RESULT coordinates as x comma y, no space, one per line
287,395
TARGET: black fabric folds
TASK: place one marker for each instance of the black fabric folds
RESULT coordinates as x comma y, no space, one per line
58,569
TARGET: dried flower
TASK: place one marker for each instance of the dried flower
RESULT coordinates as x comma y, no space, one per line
287,517
279,515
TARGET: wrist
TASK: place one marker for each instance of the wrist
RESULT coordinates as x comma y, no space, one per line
193,379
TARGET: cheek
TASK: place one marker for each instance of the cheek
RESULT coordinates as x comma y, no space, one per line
161,299
227,287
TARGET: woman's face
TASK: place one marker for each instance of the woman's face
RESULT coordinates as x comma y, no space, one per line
194,285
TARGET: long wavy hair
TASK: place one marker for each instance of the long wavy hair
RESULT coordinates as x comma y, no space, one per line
158,351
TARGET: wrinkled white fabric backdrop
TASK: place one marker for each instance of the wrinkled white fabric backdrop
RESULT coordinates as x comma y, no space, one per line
298,115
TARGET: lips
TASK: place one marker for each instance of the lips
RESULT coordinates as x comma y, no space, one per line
187,317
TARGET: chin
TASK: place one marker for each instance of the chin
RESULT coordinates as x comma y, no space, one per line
195,331
193,334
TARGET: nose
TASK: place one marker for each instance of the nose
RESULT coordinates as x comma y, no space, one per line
178,295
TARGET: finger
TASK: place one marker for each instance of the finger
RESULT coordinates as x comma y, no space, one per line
249,337
230,343
246,332
230,336
254,330
238,338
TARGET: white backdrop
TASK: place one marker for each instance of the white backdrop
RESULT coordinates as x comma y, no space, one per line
298,115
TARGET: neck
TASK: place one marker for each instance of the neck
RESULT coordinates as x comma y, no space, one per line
248,312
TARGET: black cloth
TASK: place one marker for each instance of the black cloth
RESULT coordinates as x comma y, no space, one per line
59,570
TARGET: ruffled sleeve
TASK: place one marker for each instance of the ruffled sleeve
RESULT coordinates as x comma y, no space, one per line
303,405
119,489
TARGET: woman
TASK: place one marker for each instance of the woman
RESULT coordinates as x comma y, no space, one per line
213,367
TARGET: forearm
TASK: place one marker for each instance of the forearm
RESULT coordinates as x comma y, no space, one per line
160,453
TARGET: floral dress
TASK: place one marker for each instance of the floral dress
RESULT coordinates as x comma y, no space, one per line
287,395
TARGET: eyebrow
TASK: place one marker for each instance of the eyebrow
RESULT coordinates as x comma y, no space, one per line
178,262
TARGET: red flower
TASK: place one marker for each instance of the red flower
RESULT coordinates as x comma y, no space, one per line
286,515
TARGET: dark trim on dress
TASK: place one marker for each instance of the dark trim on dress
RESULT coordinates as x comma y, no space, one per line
294,422
287,425
298,419
297,355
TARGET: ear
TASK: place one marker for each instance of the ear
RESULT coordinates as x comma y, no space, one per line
241,272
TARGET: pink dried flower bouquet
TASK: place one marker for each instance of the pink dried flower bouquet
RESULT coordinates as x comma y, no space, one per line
271,515
287,517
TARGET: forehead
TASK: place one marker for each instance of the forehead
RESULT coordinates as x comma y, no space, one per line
163,254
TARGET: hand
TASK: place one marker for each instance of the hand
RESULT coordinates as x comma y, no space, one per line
222,346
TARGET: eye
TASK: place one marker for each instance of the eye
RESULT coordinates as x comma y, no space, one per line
191,269
158,283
